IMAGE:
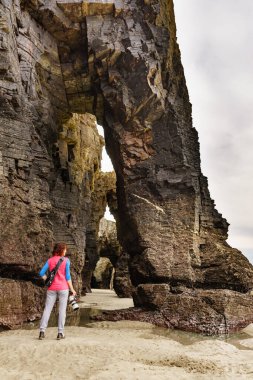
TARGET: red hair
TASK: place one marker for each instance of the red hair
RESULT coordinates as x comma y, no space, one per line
59,249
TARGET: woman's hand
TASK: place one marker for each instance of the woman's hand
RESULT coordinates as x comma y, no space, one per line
44,277
73,292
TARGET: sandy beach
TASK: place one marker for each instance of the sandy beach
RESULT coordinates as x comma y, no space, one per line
123,350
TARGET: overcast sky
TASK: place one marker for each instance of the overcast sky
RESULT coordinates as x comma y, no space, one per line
216,43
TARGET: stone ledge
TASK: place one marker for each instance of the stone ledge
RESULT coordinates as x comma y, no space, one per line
213,312
77,10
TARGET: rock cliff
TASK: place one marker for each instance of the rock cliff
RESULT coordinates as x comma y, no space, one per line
50,158
60,63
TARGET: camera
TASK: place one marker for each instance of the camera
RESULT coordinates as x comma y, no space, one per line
73,303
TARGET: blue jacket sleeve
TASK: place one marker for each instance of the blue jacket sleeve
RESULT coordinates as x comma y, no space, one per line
68,277
44,269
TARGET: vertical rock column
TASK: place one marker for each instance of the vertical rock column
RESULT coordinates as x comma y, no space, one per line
168,222
145,134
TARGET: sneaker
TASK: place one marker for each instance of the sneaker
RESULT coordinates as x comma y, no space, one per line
60,336
42,335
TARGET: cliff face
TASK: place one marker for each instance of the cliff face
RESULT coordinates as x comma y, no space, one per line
119,61
50,158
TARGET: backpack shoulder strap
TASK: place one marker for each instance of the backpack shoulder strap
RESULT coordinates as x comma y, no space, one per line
58,264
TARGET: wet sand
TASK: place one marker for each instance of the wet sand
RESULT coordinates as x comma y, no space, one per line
123,350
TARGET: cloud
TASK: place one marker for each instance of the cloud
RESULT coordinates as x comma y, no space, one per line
215,39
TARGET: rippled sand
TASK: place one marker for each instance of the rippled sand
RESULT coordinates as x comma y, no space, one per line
123,350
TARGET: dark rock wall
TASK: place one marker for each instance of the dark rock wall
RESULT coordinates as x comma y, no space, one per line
49,158
121,282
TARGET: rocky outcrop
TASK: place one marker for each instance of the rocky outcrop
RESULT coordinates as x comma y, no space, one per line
109,247
167,220
116,259
211,312
103,274
104,186
121,282
119,61
20,301
107,241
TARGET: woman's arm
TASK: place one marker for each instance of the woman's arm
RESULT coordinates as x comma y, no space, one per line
44,270
68,278
71,287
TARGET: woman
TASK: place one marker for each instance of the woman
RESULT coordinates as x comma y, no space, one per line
60,287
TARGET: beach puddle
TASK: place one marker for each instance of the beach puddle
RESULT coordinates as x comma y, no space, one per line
95,303
187,338
83,318
122,350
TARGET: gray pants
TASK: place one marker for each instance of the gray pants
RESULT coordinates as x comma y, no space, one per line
50,301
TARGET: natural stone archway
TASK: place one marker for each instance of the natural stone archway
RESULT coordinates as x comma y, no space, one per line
119,61
103,241
104,184
102,277
168,222
112,266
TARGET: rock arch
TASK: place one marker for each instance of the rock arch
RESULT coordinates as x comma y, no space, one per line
120,61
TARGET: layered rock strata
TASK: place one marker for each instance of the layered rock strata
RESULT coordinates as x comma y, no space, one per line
119,61
49,159
104,187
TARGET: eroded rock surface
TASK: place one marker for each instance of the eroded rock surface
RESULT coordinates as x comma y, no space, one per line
112,266
103,274
104,188
49,159
120,62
